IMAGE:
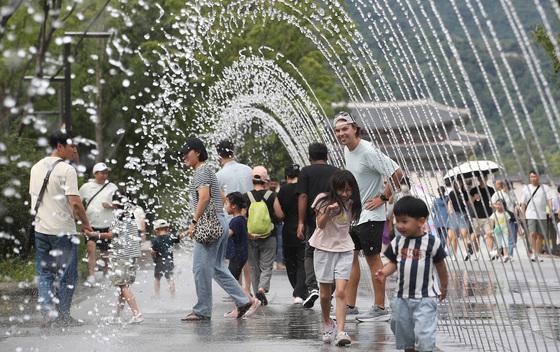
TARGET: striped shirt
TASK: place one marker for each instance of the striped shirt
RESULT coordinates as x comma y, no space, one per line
126,242
204,176
415,258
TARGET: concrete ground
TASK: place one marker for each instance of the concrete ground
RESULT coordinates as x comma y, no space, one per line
280,326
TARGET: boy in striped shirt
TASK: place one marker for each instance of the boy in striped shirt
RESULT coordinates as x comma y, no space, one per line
415,254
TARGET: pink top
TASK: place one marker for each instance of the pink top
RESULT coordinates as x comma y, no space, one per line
335,237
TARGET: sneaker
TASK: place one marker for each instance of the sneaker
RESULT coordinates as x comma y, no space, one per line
310,300
467,257
243,309
298,300
253,310
329,332
66,322
261,297
352,311
90,281
533,258
505,259
137,319
231,314
374,314
342,339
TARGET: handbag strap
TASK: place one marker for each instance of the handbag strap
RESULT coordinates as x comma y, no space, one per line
44,186
96,193
532,195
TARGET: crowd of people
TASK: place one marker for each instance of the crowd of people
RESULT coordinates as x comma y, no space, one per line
316,223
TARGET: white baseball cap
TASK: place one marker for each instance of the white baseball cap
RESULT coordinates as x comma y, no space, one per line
100,167
160,223
344,116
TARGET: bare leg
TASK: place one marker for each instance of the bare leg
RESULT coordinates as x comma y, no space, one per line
171,283
120,303
537,243
91,257
489,242
340,294
129,297
375,263
325,291
352,287
452,241
157,285
247,279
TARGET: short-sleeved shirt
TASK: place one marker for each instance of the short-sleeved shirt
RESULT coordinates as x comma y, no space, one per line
458,202
369,166
506,197
126,242
259,195
237,245
204,176
536,209
312,180
501,221
335,236
163,246
415,258
439,211
235,177
482,207
288,199
99,217
55,215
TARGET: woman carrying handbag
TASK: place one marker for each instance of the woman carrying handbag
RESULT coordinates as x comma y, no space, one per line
208,228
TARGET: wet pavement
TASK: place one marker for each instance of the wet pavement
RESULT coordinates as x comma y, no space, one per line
280,326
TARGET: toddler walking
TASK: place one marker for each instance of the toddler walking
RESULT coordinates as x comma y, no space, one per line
162,253
415,254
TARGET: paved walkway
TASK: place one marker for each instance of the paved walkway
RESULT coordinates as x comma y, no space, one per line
281,326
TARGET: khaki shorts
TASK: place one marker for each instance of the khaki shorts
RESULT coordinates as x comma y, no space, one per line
123,272
482,226
537,226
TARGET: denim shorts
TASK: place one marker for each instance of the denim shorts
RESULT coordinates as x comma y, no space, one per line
414,323
457,221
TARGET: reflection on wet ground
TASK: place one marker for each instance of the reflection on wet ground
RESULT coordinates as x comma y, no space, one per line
280,326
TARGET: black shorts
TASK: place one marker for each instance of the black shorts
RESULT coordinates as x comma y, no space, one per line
163,269
368,236
102,245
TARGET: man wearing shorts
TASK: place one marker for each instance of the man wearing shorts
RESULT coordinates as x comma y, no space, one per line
536,198
481,196
98,198
369,166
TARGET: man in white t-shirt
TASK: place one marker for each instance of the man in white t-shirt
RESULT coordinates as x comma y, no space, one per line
536,199
370,167
98,197
56,245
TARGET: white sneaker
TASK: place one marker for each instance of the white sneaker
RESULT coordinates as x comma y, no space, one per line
137,319
298,300
329,332
342,339
90,281
505,259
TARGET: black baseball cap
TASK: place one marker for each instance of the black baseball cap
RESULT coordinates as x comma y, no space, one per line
196,144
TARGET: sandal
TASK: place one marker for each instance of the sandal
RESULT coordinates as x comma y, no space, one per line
194,317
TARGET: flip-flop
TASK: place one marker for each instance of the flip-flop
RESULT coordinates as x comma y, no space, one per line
194,317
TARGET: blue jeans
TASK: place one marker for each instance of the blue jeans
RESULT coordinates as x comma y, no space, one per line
208,263
56,263
414,323
512,237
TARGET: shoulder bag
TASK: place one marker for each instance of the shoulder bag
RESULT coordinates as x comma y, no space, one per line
208,228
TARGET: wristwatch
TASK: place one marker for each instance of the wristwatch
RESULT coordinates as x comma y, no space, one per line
383,198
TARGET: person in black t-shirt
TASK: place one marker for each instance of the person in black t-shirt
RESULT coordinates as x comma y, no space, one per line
294,248
162,253
481,196
313,179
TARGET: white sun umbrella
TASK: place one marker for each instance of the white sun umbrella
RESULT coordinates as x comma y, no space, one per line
472,168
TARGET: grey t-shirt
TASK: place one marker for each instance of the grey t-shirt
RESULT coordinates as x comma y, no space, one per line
204,176
235,177
369,166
